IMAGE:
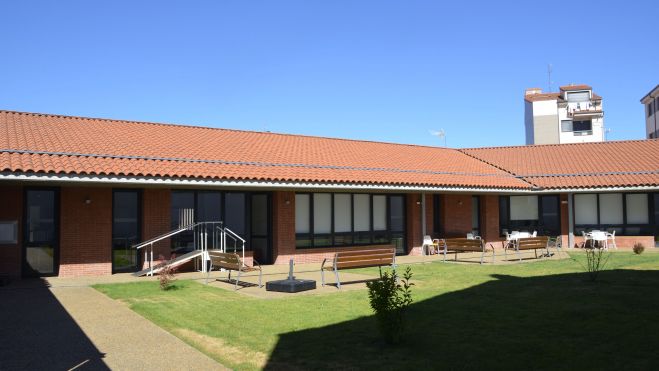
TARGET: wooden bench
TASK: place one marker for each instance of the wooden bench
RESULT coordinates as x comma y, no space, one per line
530,243
231,262
358,259
458,245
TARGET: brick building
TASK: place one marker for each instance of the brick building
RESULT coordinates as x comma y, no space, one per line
77,193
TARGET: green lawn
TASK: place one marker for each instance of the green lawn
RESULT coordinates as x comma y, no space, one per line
541,315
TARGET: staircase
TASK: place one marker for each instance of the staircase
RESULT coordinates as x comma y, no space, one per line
206,236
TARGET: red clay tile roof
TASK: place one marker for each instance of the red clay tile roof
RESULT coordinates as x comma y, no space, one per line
575,87
73,145
582,165
543,96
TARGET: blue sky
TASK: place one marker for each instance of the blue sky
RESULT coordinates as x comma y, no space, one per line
374,70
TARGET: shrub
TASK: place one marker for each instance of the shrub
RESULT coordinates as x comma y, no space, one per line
389,300
166,277
596,259
638,248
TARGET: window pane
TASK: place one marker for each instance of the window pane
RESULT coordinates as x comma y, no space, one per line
397,205
302,216
125,229
551,215
611,208
362,212
566,125
209,206
585,209
234,217
379,213
475,213
259,215
637,208
342,213
322,213
582,96
582,125
523,207
182,208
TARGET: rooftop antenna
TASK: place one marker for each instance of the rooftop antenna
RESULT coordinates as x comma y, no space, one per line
441,134
549,70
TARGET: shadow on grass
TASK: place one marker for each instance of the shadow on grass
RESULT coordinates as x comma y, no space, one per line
548,322
37,333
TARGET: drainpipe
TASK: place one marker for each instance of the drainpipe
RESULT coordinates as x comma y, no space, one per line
423,220
570,220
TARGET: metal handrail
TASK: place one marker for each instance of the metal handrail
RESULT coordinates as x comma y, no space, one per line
200,241
163,236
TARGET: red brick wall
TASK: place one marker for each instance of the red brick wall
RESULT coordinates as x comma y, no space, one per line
156,220
490,217
11,201
283,226
625,242
85,231
456,214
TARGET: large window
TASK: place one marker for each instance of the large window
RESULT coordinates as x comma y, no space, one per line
246,214
627,214
530,213
584,125
344,219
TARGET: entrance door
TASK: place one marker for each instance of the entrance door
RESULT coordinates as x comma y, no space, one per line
551,216
260,228
41,227
125,230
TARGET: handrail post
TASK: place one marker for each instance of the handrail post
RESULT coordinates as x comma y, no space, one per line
151,260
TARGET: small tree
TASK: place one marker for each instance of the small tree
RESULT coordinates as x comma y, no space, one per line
596,259
389,300
166,276
638,248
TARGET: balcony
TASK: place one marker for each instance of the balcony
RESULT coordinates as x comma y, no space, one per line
583,109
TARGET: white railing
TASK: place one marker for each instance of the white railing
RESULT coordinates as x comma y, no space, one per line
205,236
226,232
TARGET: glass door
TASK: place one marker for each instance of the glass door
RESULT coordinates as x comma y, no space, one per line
397,223
126,230
260,228
41,253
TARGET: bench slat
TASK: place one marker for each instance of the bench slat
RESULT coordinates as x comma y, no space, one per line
364,263
341,259
365,252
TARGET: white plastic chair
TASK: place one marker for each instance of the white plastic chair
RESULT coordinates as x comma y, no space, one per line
612,238
428,244
535,234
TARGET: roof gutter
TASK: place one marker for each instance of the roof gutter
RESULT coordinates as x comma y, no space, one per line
275,185
160,181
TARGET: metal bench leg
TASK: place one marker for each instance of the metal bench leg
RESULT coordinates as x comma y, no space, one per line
336,274
519,255
492,254
505,253
260,278
322,277
237,280
536,253
444,255
380,268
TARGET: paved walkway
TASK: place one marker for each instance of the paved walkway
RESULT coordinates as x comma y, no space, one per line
78,327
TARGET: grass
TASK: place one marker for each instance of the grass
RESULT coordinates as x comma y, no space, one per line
542,315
